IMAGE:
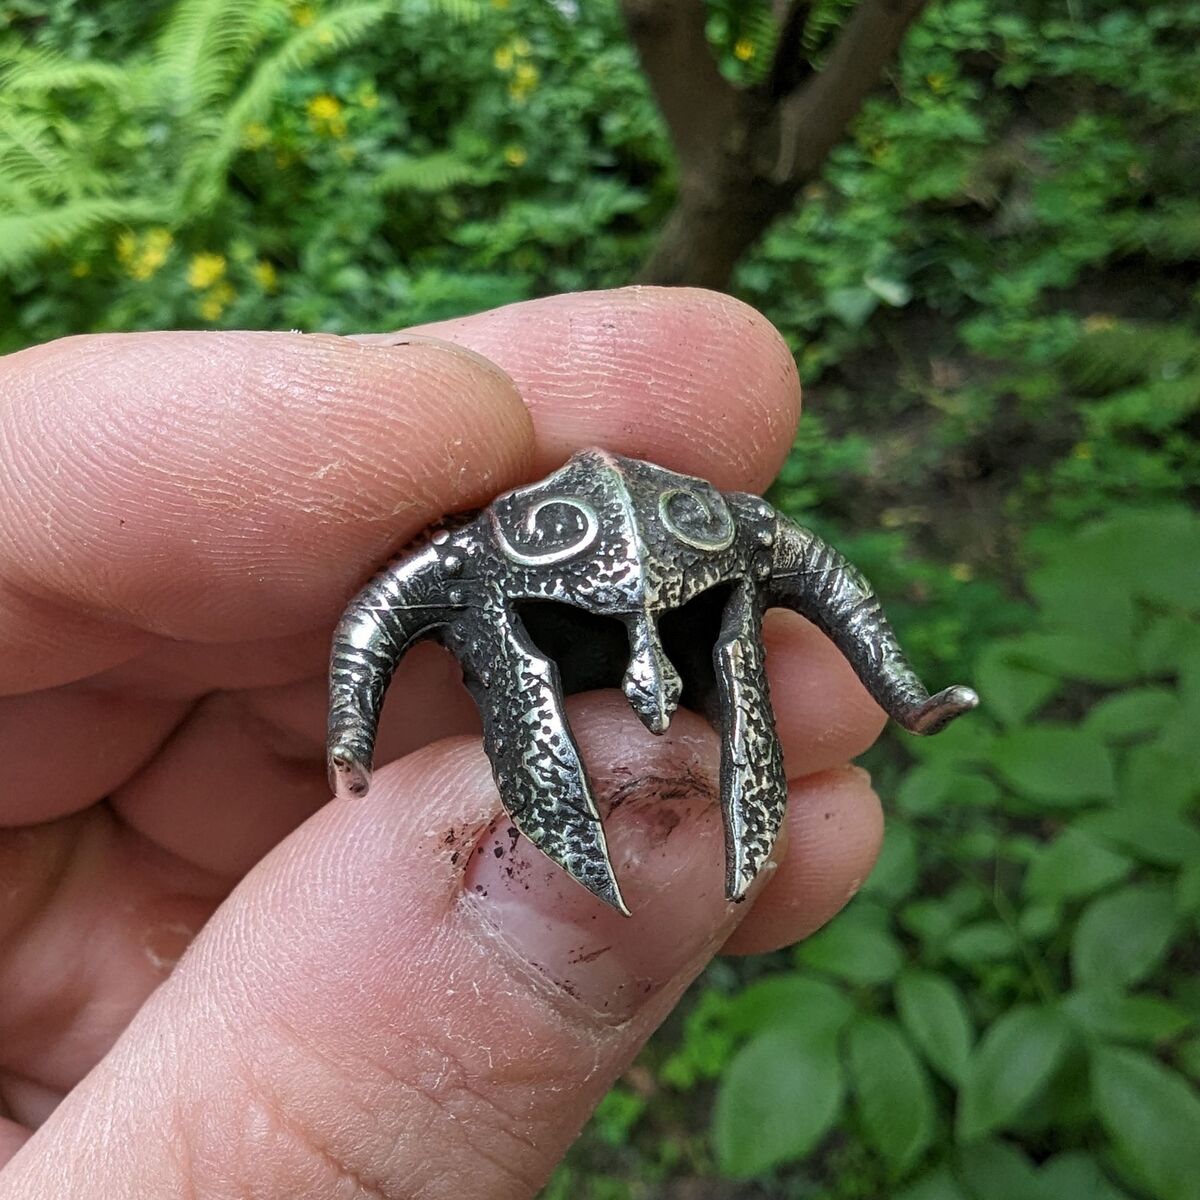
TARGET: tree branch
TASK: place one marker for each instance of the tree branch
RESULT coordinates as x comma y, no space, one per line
696,100
814,119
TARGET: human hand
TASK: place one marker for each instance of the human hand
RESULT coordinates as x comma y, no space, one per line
390,996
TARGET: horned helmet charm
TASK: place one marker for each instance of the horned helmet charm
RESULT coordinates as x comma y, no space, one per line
614,565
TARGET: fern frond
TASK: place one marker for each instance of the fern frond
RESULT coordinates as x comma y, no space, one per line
29,156
50,158
757,28
825,17
464,12
204,46
23,236
1171,234
427,173
329,33
37,72
1108,359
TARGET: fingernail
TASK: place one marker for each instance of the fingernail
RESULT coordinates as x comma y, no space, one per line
658,797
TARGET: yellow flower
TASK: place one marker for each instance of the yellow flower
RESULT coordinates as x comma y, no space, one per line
524,80
255,135
143,256
205,269
521,48
1099,322
216,301
303,15
1083,451
81,269
963,572
502,59
323,107
265,275
937,82
515,156
743,50
325,115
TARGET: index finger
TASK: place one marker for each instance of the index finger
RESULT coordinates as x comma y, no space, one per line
219,487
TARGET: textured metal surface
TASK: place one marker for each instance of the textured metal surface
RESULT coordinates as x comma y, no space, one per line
615,572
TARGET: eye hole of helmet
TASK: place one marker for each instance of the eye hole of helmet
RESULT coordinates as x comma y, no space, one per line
592,651
688,635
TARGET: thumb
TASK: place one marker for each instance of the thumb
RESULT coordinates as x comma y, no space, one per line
404,998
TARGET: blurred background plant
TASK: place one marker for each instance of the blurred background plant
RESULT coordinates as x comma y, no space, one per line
991,280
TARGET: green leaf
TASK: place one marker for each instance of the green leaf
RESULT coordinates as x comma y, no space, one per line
894,876
1039,921
1091,657
965,743
1122,937
1153,555
1163,838
1013,690
997,1171
931,787
852,949
852,305
892,1092
1159,778
984,941
789,999
1055,763
777,1099
935,1015
1152,1115
894,292
1126,1018
1129,715
1187,890
1169,641
1075,1175
1187,1056
1074,865
1012,1063
937,1185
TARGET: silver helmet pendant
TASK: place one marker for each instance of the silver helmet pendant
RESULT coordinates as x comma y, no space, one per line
612,569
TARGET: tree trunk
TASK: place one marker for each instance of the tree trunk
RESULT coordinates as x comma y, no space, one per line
746,155
702,240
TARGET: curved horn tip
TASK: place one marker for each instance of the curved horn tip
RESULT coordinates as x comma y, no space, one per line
347,775
938,711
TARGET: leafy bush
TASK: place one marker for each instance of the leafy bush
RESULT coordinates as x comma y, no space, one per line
257,162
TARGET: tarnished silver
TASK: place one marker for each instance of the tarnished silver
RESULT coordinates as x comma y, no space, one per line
613,567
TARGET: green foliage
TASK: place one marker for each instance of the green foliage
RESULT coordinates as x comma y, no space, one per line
318,164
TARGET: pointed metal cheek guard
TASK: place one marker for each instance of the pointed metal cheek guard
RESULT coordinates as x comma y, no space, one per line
531,594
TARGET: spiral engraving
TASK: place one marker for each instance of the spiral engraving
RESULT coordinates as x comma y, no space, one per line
554,529
697,518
